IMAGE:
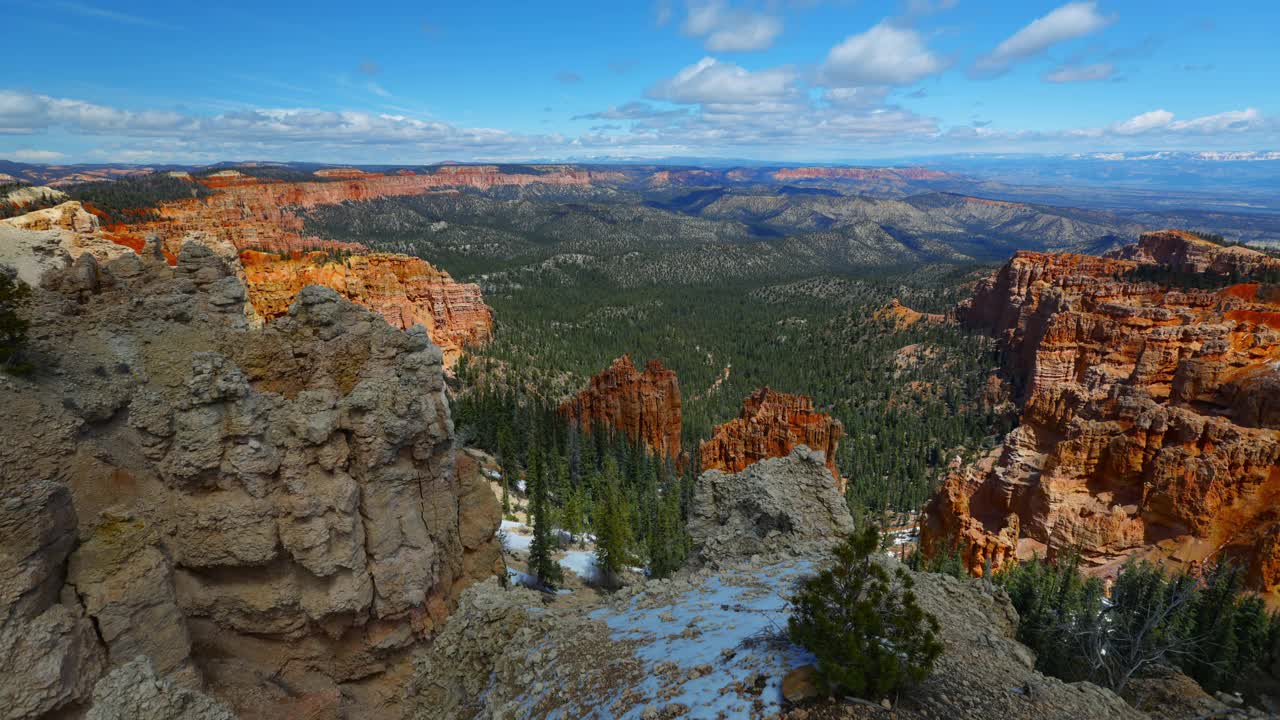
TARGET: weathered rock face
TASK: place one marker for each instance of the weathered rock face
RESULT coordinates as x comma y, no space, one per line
273,513
1149,422
1184,252
644,406
770,425
405,290
778,504
133,691
41,240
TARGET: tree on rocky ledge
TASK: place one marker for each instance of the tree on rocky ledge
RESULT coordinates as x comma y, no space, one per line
14,294
863,624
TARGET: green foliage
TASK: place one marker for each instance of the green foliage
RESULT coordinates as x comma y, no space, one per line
14,296
870,636
541,561
594,482
948,563
613,526
1055,604
1213,631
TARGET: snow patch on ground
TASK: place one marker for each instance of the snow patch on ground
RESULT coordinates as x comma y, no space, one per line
705,647
516,536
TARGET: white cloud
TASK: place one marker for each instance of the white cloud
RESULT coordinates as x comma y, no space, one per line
1070,21
1144,122
36,156
883,55
725,29
1232,121
1081,73
711,81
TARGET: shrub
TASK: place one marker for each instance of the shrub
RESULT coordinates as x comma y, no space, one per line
863,624
14,295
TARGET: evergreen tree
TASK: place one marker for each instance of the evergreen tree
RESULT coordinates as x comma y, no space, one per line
541,561
613,527
870,636
14,295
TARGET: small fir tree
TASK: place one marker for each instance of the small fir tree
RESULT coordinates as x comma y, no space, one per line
863,624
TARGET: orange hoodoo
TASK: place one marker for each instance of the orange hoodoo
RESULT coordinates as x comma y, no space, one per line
645,406
772,424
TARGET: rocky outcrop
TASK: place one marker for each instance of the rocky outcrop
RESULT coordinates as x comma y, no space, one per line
406,291
770,425
643,406
1149,421
775,505
271,513
902,316
50,655
1186,253
134,691
42,240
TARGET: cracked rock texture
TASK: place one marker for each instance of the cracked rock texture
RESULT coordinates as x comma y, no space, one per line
272,514
787,503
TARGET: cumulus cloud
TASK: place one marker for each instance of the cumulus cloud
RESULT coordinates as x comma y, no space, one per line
1081,73
710,81
725,29
1070,21
883,55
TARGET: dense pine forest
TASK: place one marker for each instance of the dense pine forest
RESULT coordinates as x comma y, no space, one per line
911,397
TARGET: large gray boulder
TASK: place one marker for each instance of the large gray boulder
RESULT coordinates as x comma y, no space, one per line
778,505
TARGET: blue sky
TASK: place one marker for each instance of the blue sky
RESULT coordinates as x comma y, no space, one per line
798,80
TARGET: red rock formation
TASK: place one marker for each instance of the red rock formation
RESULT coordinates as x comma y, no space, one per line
643,405
770,425
1184,252
404,290
904,317
1150,417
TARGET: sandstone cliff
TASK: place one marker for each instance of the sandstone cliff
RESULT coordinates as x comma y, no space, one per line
644,406
406,291
1150,415
272,514
771,425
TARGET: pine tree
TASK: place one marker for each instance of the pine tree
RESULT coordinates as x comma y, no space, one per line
541,563
612,525
14,295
